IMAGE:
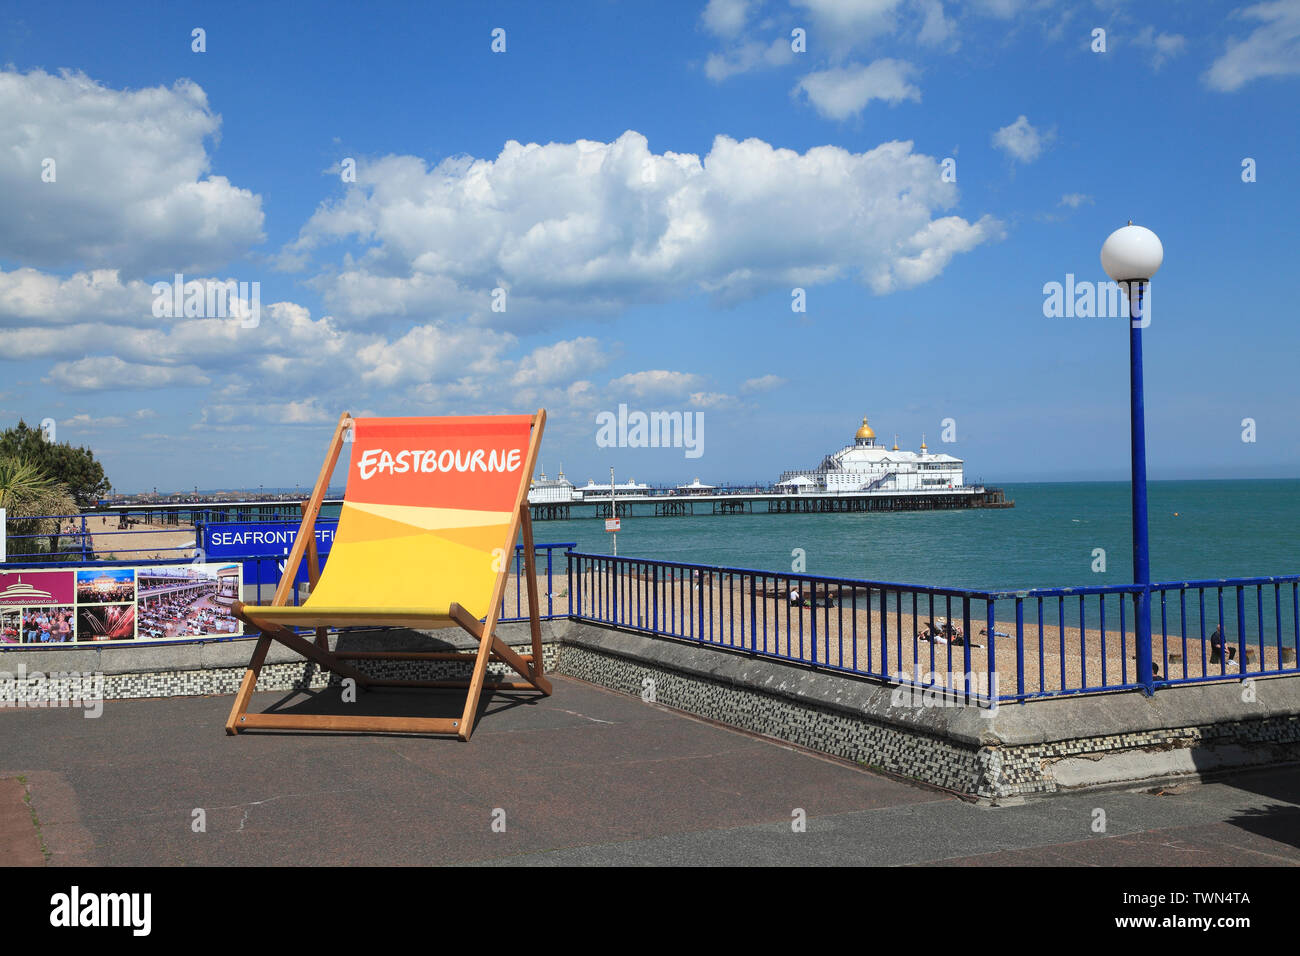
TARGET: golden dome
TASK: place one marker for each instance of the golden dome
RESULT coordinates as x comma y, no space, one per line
865,431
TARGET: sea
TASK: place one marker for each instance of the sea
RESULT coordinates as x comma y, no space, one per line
1059,534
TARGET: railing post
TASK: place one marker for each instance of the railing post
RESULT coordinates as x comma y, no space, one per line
1241,631
699,603
1020,646
654,599
812,600
569,577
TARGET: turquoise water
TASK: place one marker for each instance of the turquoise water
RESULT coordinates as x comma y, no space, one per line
1220,529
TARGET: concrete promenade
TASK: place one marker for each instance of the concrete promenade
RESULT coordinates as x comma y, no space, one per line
587,776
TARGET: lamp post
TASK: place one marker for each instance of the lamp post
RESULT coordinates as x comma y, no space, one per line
1131,255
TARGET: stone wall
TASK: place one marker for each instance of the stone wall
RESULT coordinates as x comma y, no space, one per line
995,756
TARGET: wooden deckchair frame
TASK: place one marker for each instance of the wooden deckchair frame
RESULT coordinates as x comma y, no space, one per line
491,646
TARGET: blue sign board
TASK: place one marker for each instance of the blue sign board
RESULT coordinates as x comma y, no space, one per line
263,539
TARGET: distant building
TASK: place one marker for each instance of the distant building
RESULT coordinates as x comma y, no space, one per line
545,490
866,466
593,490
695,488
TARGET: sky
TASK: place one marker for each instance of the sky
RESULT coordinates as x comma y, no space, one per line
773,216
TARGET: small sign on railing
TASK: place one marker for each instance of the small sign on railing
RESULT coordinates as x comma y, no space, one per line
612,524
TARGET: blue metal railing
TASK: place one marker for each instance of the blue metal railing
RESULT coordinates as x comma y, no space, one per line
984,645
82,535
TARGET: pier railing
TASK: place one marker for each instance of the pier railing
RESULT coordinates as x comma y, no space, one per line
981,646
80,538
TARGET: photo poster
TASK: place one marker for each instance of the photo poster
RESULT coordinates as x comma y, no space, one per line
169,602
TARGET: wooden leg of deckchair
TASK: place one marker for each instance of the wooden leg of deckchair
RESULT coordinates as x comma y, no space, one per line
312,652
476,679
247,685
502,650
322,638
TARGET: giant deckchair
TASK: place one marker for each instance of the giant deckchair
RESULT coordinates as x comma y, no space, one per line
425,540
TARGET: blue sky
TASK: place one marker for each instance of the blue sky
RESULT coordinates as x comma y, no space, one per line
648,185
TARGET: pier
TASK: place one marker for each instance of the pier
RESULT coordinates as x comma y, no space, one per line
650,504
749,502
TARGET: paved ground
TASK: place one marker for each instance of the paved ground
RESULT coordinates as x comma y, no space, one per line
584,777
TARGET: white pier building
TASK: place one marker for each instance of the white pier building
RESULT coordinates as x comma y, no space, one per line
867,466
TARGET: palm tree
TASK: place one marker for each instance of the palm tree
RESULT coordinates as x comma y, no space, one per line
28,494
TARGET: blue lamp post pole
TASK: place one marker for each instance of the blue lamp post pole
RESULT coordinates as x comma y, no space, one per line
1138,438
1131,256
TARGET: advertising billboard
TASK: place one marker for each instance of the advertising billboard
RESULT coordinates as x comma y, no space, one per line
144,603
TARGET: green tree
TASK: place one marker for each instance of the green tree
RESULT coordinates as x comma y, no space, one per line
75,468
26,491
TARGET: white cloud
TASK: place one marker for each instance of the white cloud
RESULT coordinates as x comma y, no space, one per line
841,92
1075,200
550,364
87,423
28,295
842,24
936,29
100,373
132,185
725,18
1272,48
654,383
710,399
923,255
305,412
1021,140
746,56
593,228
1163,46
763,383
1001,9
434,351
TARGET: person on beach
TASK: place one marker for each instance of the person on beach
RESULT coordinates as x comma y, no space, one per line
1218,645
929,632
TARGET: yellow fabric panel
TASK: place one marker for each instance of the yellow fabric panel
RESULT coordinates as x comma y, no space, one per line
481,539
355,526
416,570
